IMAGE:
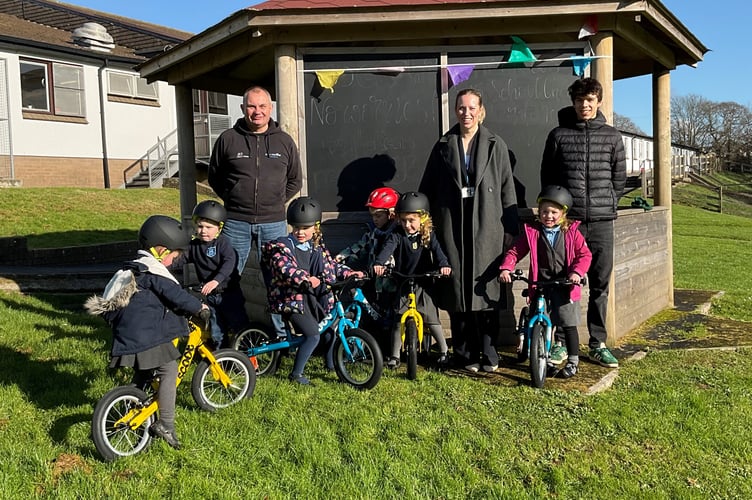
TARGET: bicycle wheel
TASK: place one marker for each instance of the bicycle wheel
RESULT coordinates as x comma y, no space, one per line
118,440
256,335
209,392
538,356
524,345
363,371
411,346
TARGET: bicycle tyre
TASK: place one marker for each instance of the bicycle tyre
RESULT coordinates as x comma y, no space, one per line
256,335
365,369
524,346
112,442
411,346
210,394
538,358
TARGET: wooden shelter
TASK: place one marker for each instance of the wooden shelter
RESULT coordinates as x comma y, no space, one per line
395,96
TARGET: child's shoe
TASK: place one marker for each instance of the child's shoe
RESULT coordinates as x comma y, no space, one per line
444,360
473,367
392,362
569,371
299,379
558,354
490,368
159,429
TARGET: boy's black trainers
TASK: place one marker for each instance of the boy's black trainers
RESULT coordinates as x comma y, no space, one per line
159,429
569,371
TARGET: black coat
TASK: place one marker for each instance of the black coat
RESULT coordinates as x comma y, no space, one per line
587,158
493,205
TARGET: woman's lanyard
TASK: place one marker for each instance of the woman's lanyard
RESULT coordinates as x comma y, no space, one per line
468,190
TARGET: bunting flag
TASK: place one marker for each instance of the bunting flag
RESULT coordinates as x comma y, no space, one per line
328,78
579,63
590,27
520,52
460,72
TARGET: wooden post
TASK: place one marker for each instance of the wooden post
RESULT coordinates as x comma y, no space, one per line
186,152
720,199
662,154
287,95
603,71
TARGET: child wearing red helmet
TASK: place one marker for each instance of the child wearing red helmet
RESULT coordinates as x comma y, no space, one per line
362,254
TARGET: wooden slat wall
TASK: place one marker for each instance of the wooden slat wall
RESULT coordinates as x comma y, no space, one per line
640,272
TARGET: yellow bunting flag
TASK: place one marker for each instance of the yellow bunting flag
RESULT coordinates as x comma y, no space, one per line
328,78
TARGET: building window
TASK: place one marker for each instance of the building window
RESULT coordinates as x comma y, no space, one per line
53,88
209,102
131,85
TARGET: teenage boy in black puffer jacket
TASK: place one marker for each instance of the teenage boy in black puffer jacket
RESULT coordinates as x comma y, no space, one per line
586,156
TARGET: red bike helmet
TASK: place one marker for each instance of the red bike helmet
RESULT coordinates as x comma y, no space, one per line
383,198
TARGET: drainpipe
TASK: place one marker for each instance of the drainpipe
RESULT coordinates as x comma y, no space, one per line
103,125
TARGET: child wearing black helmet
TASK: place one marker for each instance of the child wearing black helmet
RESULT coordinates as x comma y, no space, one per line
557,250
296,269
415,250
215,262
146,308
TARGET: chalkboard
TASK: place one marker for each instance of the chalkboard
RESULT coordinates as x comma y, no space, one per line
375,129
522,102
378,126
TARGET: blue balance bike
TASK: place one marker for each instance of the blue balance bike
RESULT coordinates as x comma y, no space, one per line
357,356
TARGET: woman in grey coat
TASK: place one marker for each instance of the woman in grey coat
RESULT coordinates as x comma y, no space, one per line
468,180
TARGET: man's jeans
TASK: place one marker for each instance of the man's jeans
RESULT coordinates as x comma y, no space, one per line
242,235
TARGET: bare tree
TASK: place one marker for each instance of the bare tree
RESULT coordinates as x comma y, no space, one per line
625,124
691,116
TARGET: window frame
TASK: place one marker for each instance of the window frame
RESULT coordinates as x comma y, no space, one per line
136,83
53,90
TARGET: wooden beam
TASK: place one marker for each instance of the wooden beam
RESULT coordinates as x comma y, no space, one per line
631,31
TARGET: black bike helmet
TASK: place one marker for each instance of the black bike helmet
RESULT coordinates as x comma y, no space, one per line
164,231
412,202
211,210
304,211
556,194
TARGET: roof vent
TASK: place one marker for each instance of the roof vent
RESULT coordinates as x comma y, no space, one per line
94,36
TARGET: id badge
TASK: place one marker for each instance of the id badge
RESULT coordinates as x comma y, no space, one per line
468,192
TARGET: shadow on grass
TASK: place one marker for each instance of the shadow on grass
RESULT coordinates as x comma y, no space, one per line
79,238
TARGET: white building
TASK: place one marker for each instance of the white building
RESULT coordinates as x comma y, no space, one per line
74,112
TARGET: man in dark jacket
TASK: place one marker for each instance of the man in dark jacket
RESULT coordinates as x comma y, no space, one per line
586,156
255,169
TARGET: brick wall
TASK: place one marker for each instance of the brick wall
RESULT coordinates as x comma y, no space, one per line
47,171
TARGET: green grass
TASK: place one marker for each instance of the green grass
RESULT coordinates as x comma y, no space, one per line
656,433
674,424
58,217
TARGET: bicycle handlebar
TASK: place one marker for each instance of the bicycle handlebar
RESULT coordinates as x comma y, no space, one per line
519,276
429,274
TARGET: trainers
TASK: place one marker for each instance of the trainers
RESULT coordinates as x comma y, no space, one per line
603,357
473,368
558,354
392,362
159,429
490,368
569,371
299,379
443,359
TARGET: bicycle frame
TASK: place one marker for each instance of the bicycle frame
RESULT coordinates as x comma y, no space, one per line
136,417
339,320
540,316
412,312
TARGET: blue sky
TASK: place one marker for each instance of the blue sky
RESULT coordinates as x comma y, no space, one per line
722,26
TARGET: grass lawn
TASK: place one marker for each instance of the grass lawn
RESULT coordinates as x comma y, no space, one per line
674,424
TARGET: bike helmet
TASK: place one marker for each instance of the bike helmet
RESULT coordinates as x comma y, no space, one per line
412,202
383,198
210,210
556,194
164,231
304,211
